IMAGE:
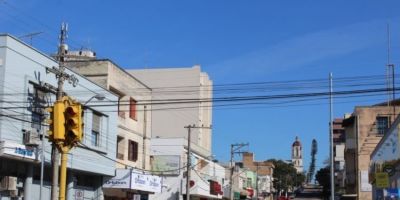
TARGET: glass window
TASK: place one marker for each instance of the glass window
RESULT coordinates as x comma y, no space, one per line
382,124
95,138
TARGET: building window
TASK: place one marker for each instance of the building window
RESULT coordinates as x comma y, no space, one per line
132,109
95,136
382,124
249,183
38,100
133,151
120,147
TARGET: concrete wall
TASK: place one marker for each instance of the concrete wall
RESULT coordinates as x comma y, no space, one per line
127,87
175,84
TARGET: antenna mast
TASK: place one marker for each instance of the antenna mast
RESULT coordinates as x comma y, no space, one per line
390,79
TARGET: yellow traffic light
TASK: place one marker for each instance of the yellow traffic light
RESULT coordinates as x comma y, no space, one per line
73,122
56,121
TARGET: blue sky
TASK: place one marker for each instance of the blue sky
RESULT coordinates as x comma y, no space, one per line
234,41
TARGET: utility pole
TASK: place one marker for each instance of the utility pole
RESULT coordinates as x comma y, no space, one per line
235,149
61,76
331,136
188,163
257,180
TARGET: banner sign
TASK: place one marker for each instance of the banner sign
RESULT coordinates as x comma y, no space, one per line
165,164
146,182
382,180
121,179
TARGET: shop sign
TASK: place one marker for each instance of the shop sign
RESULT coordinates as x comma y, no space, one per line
392,193
146,182
17,151
389,169
120,180
382,180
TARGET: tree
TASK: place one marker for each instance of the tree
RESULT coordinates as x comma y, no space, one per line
286,176
311,170
323,178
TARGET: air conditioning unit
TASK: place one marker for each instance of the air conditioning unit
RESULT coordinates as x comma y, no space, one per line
8,183
31,138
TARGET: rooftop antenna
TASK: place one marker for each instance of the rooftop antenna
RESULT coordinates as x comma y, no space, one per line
30,36
390,79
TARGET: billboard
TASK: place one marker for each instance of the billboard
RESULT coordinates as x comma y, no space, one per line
165,164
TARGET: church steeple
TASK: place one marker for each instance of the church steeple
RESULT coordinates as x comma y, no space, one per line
297,155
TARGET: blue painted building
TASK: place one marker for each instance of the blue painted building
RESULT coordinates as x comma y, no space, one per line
24,93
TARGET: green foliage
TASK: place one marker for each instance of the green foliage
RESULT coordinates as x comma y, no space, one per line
323,178
286,176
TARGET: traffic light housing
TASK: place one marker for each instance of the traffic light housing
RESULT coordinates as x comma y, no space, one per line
73,123
56,130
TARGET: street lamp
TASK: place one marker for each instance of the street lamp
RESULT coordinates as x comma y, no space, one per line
99,97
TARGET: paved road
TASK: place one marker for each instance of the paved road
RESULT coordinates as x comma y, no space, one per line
311,192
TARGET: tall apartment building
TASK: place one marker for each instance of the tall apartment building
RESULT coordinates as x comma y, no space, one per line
24,145
134,131
364,128
183,97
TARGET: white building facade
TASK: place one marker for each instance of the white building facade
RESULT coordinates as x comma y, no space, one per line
25,92
169,158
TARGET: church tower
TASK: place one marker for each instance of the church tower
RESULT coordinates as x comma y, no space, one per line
297,155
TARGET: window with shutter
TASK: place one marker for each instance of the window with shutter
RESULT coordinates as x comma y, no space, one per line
133,151
132,109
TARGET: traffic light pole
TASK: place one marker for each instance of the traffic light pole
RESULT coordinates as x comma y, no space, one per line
60,93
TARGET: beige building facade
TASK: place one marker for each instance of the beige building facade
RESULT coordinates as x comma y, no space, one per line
134,114
364,128
182,96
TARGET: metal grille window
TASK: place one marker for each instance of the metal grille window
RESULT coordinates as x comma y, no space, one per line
382,124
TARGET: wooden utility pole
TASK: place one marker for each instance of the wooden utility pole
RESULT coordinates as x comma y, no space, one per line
235,149
61,77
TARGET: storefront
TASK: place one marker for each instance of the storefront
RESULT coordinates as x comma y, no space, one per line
131,184
384,171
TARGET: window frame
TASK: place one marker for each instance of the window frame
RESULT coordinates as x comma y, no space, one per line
132,108
133,150
380,129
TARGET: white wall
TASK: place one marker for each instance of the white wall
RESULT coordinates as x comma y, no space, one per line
22,64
